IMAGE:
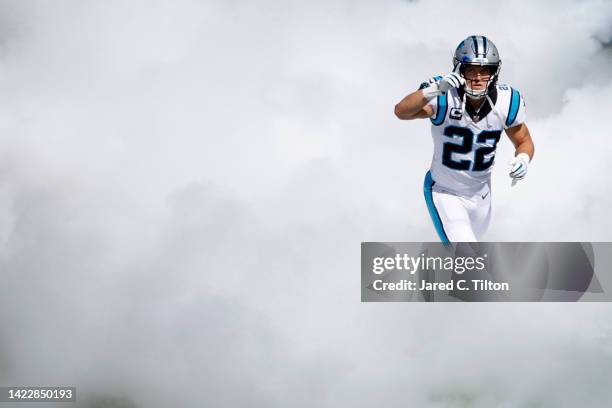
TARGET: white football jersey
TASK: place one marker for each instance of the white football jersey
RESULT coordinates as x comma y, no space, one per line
464,148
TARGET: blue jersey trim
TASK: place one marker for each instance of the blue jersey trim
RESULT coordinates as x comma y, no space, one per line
515,100
433,212
441,114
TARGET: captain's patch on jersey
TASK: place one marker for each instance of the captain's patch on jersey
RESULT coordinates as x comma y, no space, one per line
455,113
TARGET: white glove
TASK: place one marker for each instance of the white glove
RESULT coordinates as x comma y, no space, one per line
519,166
449,81
452,80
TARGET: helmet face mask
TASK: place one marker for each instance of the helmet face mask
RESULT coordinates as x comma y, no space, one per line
477,51
478,82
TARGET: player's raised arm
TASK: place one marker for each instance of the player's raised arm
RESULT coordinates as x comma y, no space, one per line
416,105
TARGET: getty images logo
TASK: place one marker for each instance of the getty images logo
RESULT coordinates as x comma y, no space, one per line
412,264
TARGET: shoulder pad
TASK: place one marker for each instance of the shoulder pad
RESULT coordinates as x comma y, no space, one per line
514,105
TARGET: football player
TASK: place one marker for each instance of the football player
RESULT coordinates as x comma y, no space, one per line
468,110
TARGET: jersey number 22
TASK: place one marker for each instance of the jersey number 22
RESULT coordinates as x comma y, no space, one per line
479,163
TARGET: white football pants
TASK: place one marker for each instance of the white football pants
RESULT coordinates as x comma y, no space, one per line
457,218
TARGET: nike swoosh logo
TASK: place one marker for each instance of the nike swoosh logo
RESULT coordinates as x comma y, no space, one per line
484,196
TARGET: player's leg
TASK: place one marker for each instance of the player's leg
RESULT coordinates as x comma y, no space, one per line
454,216
448,213
480,214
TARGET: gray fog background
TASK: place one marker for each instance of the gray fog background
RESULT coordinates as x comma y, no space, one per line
184,187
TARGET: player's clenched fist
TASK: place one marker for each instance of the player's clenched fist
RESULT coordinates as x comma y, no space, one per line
452,80
448,81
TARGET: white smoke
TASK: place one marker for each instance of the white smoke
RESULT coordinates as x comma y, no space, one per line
184,187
